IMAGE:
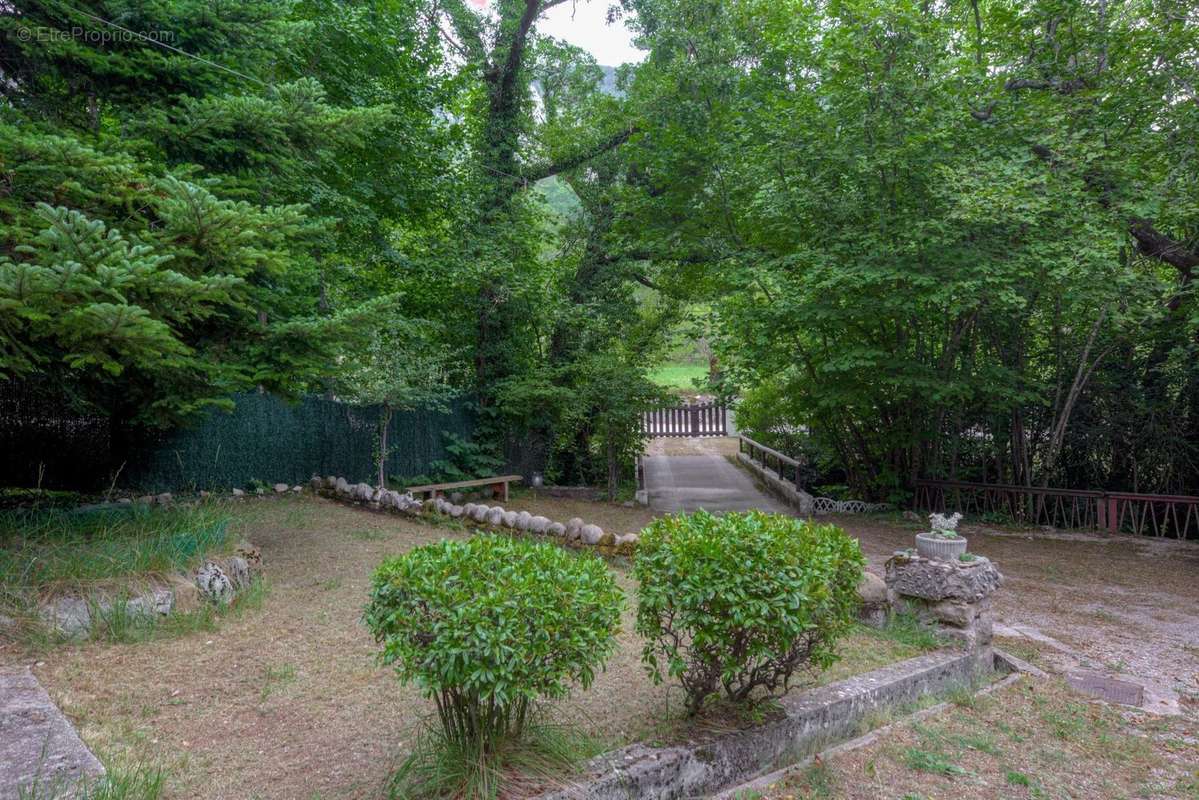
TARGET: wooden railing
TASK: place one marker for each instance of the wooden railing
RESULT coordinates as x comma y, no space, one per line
1160,515
786,467
701,419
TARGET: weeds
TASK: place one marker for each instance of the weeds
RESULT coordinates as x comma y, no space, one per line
275,679
440,767
930,761
907,629
44,549
118,784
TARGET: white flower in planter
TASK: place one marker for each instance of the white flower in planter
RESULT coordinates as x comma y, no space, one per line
945,527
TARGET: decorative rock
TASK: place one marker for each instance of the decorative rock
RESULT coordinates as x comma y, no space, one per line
480,513
556,529
214,584
874,607
457,511
163,499
627,543
509,520
251,555
70,616
203,495
341,486
124,501
523,520
185,593
158,602
280,488
469,509
539,524
574,525
591,534
297,489
495,515
238,493
330,482
872,590
364,492
936,580
377,494
238,572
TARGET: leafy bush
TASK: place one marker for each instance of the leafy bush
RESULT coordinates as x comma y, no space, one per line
743,601
465,461
488,626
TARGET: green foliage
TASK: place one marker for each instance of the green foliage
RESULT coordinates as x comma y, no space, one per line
441,767
922,229
489,626
43,549
741,602
465,460
138,783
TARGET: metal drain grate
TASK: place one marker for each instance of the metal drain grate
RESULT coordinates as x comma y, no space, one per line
1112,690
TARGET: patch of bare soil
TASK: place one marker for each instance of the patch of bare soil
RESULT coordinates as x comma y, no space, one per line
1034,739
1124,604
289,702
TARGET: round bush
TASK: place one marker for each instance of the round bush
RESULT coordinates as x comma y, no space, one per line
741,602
489,625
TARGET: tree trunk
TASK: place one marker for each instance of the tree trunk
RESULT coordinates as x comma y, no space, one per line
384,424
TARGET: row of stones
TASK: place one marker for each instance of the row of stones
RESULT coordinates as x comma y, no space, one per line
574,531
217,581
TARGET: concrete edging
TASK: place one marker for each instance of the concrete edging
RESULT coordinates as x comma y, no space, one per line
39,748
812,721
801,501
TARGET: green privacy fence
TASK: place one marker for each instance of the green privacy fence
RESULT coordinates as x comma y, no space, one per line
274,440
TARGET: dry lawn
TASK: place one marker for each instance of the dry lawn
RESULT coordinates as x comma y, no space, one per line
288,702
1035,739
1124,604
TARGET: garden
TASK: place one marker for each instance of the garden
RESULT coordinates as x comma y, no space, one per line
226,703
341,343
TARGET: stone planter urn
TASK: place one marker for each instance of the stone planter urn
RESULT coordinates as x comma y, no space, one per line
942,542
930,545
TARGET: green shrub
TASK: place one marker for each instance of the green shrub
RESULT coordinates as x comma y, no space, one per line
488,626
743,601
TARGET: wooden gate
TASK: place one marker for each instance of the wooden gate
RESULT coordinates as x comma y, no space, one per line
702,419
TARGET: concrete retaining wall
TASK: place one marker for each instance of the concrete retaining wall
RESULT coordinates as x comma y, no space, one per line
812,721
800,500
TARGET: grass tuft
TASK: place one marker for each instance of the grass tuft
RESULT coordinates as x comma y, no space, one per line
438,767
118,784
40,550
907,629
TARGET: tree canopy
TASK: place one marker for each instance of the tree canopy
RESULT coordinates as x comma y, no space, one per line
948,239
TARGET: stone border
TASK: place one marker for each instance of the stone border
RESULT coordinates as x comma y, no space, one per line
763,783
573,532
218,580
812,721
38,746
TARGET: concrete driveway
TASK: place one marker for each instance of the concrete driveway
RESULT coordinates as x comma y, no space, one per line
682,478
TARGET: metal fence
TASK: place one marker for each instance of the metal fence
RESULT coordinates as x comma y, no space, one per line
1162,515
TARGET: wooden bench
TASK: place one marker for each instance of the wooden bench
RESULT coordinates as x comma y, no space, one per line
498,486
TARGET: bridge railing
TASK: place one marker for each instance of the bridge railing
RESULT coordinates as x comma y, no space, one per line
786,467
1159,515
